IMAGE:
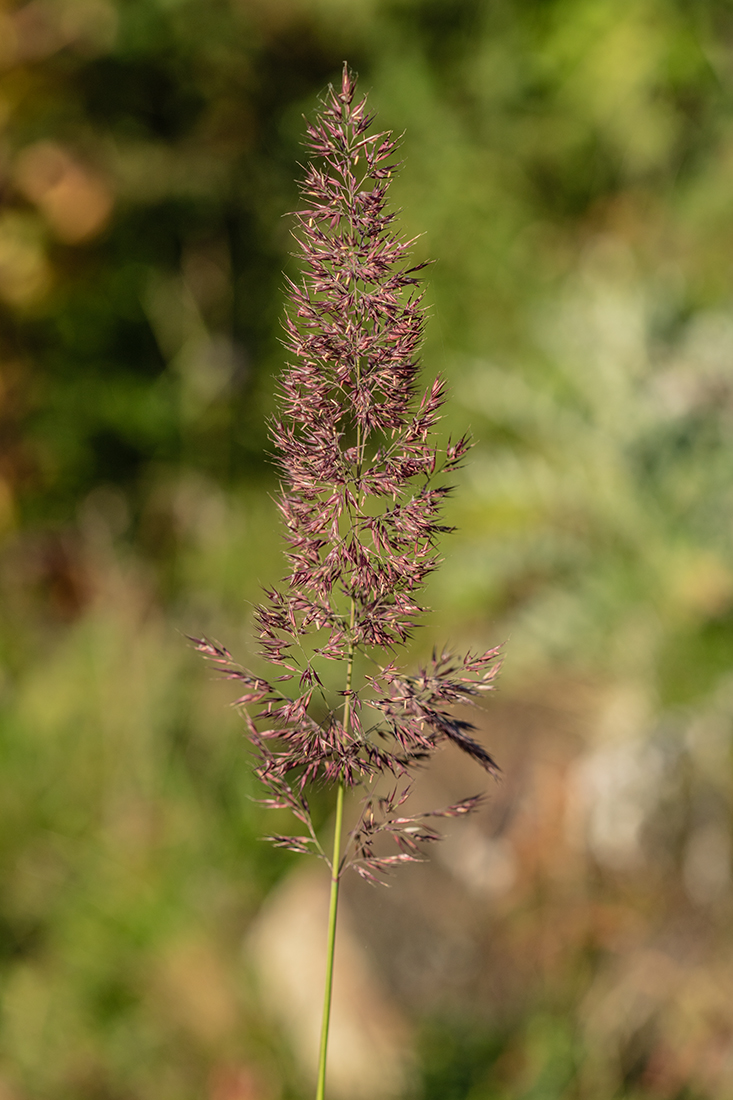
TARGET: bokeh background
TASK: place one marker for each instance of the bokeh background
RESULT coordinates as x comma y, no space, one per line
570,165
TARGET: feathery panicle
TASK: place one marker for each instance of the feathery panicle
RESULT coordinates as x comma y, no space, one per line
362,485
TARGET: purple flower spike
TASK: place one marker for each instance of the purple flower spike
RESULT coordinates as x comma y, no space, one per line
361,496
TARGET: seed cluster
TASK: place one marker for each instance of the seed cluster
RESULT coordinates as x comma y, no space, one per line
361,494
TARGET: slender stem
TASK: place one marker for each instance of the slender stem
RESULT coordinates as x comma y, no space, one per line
335,878
321,1089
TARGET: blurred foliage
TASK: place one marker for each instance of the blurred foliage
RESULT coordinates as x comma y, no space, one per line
569,162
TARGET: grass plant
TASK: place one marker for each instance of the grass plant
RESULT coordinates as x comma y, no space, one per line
362,484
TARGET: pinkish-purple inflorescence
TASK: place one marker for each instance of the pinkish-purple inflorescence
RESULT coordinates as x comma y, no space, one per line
361,495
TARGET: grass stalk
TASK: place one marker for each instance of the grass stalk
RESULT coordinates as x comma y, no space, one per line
335,879
331,943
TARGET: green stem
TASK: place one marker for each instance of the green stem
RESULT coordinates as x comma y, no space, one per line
321,1089
335,878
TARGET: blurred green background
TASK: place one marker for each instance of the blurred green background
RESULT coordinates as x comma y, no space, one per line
570,165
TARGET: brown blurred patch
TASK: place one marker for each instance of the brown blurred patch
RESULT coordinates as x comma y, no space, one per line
235,1082
196,993
7,506
50,570
75,199
41,28
8,1091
